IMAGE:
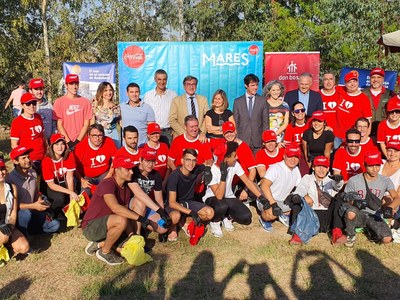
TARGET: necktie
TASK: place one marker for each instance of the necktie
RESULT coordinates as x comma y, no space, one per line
250,106
193,107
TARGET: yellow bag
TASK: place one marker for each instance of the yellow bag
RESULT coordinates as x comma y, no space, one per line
4,254
73,210
133,251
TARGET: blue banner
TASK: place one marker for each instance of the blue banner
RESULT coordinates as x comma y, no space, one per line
217,65
363,77
90,75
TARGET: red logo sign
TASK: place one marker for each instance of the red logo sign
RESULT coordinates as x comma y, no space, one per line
133,56
253,50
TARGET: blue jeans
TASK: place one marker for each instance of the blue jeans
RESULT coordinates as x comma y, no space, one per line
32,221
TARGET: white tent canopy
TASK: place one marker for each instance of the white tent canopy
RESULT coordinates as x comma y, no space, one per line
391,41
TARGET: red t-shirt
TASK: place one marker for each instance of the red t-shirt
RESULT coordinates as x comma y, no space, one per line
29,133
93,162
330,103
348,165
180,143
245,157
263,158
52,169
349,109
162,155
369,146
134,156
295,133
386,131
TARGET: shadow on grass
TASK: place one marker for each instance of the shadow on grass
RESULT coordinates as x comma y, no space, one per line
15,289
375,281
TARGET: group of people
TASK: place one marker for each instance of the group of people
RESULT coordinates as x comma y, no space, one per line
169,163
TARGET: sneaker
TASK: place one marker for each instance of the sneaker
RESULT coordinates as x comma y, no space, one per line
109,258
91,248
295,240
284,219
228,224
216,229
351,240
267,226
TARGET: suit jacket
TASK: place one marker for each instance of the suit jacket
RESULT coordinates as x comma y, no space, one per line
179,111
314,102
250,129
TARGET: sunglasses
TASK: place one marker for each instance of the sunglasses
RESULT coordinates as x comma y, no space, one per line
34,103
397,112
353,141
301,110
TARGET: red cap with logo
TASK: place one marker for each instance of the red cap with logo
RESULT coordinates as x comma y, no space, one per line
18,151
123,162
70,78
377,71
292,150
153,128
228,127
149,154
268,135
36,83
318,115
27,97
393,144
393,104
351,75
56,137
321,161
372,158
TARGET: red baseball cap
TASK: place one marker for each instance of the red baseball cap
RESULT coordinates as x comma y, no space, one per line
351,75
27,97
268,135
56,137
153,128
321,161
292,150
393,104
377,71
18,151
2,164
36,83
228,127
149,154
195,232
372,158
70,78
318,115
393,144
123,162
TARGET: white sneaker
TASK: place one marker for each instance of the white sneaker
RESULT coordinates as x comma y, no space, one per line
228,224
216,229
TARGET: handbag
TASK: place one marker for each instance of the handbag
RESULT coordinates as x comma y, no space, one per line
373,202
323,198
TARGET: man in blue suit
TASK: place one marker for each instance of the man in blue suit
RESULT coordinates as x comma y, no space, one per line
312,100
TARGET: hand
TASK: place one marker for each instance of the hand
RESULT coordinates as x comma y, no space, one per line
207,175
296,199
350,196
387,212
6,229
74,196
195,217
202,138
40,205
223,168
243,195
85,183
289,200
337,177
45,201
165,217
264,202
276,210
144,222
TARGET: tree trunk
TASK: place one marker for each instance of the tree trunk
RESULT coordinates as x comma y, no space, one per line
181,20
46,51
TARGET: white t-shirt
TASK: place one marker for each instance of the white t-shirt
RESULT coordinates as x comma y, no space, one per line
216,178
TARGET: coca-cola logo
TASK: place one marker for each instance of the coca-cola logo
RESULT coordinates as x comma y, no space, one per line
133,57
253,50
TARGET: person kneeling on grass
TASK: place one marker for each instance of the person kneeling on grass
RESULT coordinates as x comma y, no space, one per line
278,182
108,218
146,184
181,190
318,190
368,210
219,194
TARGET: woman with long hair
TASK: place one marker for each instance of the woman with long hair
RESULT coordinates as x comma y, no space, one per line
107,112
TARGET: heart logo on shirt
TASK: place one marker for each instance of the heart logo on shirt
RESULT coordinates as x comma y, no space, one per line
332,105
162,158
355,166
62,171
348,104
38,128
395,137
100,158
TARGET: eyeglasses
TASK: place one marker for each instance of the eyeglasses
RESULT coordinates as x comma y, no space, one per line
190,160
301,110
190,84
99,136
34,103
353,141
397,112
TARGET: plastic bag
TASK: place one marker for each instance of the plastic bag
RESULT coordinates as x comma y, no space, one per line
4,254
306,224
133,251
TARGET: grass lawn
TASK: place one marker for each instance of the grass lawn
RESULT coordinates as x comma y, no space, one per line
245,264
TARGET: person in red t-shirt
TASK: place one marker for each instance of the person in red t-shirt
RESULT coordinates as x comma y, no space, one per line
389,128
367,144
153,142
349,159
93,157
130,144
352,105
330,98
190,139
58,172
27,130
270,154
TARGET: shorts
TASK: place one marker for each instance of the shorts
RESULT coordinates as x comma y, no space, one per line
96,230
193,205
